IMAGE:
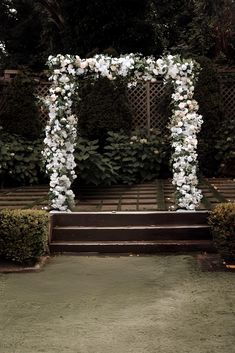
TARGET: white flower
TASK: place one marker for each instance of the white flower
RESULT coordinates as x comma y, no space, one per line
182,105
173,71
84,64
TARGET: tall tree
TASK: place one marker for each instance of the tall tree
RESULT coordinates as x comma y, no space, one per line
168,19
20,33
30,30
87,26
212,29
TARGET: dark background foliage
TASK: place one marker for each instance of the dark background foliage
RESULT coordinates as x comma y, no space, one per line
21,115
103,107
42,27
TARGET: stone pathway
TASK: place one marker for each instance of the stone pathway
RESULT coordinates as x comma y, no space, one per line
24,197
154,196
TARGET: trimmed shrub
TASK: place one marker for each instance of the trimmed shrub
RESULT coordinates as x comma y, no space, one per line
23,234
21,115
103,107
222,222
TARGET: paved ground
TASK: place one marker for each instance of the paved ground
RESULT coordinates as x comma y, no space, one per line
149,304
152,196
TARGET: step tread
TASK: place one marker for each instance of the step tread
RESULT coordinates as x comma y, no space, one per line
133,242
139,213
194,226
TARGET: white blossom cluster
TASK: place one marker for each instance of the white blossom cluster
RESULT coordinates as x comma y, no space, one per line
61,134
61,129
184,125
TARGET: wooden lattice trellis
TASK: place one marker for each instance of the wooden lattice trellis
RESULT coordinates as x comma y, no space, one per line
227,89
2,96
146,100
42,91
149,101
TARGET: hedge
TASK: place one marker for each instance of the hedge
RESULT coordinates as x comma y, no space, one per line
23,234
222,222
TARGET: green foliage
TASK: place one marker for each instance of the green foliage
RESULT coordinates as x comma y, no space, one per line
118,24
103,107
23,234
222,222
225,148
207,93
43,27
92,166
209,30
21,115
217,138
20,160
139,157
168,22
21,33
124,159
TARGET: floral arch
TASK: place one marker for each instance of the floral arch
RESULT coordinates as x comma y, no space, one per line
61,130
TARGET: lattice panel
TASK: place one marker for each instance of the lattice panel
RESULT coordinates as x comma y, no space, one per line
228,94
159,96
137,98
147,102
42,91
2,99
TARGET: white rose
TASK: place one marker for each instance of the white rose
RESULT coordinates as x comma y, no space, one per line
84,64
181,105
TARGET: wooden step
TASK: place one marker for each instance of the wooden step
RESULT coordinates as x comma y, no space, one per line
139,232
111,219
132,246
163,232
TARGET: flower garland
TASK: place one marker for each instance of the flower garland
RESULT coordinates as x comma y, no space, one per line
61,129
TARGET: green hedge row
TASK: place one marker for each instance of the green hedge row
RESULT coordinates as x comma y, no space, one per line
222,222
23,234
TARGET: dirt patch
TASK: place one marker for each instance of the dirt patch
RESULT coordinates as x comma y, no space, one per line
214,263
13,267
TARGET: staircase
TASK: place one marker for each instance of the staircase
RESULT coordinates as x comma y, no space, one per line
130,232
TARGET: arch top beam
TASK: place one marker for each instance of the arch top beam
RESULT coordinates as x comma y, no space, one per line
61,131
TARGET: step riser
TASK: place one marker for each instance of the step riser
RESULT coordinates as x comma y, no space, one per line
148,249
129,234
128,219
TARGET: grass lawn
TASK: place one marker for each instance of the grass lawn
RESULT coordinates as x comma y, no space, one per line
145,304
